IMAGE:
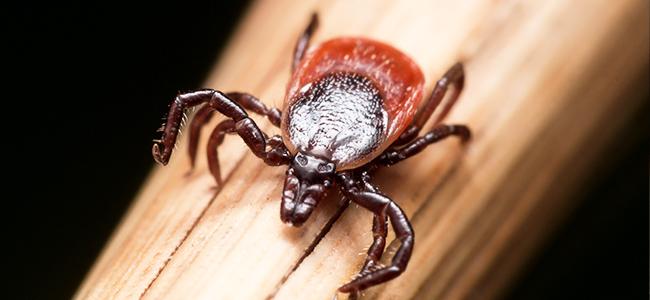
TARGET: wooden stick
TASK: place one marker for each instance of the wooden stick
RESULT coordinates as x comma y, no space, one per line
545,94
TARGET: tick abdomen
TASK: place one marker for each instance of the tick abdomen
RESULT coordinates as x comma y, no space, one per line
339,116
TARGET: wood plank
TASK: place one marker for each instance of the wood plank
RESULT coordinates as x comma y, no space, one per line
546,94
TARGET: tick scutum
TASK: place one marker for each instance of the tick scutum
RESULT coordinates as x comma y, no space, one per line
339,117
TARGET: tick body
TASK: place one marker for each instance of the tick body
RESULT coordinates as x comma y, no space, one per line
352,105
349,99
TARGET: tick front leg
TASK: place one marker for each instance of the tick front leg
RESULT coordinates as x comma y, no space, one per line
162,149
201,117
247,101
382,205
379,229
303,42
376,250
393,156
243,125
216,138
275,156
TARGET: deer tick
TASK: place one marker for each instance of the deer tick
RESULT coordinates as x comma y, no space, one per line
352,105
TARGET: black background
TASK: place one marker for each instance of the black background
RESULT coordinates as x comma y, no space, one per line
86,90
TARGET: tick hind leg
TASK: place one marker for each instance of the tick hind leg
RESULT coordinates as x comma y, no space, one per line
244,126
204,114
303,42
393,156
454,76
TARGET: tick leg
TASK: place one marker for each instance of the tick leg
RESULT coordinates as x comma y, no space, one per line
244,126
393,156
379,232
303,42
250,102
204,114
456,76
201,117
216,138
382,205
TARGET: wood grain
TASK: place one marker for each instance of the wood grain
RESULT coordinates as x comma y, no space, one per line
546,93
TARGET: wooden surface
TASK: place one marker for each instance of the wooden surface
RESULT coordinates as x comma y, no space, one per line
546,92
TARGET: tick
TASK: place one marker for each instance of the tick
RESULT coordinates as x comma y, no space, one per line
352,105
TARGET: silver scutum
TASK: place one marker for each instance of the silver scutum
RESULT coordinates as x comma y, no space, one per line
339,117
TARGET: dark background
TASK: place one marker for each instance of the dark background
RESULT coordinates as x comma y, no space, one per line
86,90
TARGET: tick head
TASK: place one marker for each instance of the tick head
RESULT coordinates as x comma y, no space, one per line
307,181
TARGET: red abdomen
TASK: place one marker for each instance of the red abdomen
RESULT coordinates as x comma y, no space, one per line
396,78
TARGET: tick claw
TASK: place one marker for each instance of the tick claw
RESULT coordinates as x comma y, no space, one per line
157,155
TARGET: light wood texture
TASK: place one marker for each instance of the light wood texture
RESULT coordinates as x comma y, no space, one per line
546,92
